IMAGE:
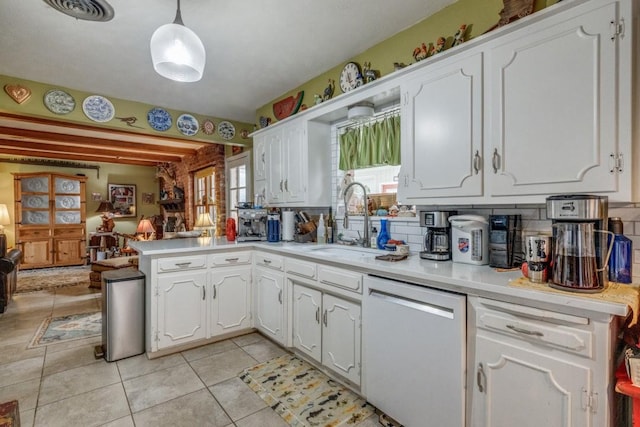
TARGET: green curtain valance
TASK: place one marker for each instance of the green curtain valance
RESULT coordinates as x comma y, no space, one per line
372,144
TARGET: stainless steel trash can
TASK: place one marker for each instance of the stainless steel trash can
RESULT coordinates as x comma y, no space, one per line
122,313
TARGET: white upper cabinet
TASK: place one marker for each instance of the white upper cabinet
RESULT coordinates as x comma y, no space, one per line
442,130
259,159
551,94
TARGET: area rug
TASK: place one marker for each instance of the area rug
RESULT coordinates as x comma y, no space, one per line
67,328
303,396
9,414
51,278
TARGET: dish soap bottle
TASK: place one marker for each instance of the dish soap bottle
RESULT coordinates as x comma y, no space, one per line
374,238
383,236
621,252
321,231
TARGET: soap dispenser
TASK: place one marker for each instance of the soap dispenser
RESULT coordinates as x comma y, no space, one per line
321,231
383,236
621,252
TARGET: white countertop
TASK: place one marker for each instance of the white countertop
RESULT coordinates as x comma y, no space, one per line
468,279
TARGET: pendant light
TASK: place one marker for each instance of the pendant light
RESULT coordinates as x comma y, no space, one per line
177,52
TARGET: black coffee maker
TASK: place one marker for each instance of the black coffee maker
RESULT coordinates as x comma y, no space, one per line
437,238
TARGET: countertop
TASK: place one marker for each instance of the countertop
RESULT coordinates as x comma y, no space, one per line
482,281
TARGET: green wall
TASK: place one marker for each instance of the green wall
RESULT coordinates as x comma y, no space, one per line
34,106
479,15
142,177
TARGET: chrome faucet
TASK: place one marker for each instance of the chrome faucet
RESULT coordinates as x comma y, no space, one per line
364,241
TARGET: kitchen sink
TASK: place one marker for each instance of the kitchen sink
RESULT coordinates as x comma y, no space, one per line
345,251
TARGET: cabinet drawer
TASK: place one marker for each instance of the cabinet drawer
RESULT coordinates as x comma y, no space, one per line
340,278
271,261
561,337
36,233
182,263
229,258
301,268
68,232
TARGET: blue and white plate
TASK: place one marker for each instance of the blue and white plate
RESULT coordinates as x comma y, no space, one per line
226,130
59,102
98,108
159,119
187,124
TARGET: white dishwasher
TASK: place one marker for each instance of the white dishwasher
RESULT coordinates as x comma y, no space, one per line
414,352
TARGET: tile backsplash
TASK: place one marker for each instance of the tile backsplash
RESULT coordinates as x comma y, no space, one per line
533,222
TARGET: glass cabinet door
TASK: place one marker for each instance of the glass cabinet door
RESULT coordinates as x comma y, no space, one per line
67,186
36,184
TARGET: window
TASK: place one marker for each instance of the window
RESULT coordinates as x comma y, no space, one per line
204,192
239,180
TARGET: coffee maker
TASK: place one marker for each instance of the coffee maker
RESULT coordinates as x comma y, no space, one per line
437,238
580,250
252,224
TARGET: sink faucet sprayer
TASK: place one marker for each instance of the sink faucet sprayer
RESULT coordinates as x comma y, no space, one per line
365,241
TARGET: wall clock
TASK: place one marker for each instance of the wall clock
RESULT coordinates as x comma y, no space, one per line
350,77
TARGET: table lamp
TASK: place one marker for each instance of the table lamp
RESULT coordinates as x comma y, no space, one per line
4,220
204,223
106,207
145,228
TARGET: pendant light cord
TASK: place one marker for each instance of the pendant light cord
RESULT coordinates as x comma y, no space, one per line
178,19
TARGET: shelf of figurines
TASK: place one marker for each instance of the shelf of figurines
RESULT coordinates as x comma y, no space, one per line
172,205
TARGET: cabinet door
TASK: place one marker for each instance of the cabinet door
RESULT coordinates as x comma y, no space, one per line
259,159
36,253
269,303
524,388
341,337
230,300
552,107
275,180
69,251
442,131
181,308
307,329
294,162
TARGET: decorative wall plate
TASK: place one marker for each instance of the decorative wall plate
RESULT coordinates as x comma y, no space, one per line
159,119
98,108
208,127
18,93
187,124
226,130
59,102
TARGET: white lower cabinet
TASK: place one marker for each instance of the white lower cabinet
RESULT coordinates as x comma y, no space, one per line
269,298
327,328
182,308
230,300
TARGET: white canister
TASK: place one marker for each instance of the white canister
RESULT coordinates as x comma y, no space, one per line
288,225
469,239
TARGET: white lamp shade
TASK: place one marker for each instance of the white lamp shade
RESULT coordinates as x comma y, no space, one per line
204,220
4,215
177,53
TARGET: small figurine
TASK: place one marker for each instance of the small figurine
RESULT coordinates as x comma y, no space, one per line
328,91
438,47
317,99
369,74
393,210
421,52
398,66
459,37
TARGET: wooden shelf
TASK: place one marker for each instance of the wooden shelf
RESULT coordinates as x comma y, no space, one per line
172,205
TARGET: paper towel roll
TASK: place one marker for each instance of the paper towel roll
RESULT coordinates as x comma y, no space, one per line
288,225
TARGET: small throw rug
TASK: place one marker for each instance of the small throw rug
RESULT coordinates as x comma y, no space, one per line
50,278
9,414
303,396
67,328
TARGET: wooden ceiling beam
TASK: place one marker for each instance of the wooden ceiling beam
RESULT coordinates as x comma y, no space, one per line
77,157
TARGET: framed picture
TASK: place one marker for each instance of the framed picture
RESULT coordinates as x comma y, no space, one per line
96,197
123,197
148,198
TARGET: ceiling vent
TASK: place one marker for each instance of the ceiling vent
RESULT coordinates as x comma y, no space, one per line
89,10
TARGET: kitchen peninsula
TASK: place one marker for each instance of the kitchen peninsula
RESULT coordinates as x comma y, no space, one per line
561,345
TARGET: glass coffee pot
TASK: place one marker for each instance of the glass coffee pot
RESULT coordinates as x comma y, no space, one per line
575,260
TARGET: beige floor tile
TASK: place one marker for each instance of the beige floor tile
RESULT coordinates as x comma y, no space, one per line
67,359
121,422
19,351
66,345
137,366
161,386
248,339
219,367
26,393
237,399
209,350
264,418
21,334
87,306
264,350
96,407
78,380
194,409
27,417
21,370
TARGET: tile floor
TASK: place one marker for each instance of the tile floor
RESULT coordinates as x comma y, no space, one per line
64,385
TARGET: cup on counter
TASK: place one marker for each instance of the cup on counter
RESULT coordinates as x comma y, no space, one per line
538,255
402,249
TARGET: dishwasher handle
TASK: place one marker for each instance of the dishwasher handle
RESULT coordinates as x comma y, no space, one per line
414,304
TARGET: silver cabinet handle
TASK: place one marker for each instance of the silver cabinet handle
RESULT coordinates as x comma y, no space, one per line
280,296
481,378
215,292
183,264
204,293
324,318
495,161
318,315
267,261
476,162
525,331
231,259
286,184
281,181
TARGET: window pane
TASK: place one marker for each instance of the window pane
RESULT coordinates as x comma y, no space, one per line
233,178
242,195
242,176
233,196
